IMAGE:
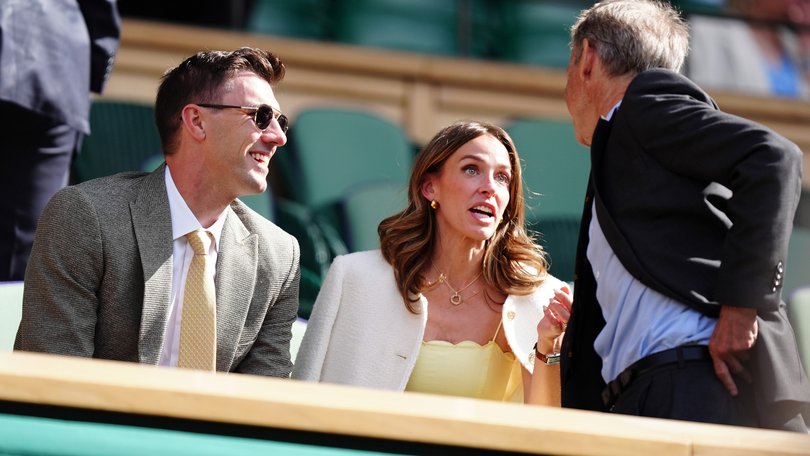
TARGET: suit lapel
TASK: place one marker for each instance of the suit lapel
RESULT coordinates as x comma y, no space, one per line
235,282
152,222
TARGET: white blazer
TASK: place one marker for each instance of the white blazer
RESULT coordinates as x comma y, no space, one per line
361,333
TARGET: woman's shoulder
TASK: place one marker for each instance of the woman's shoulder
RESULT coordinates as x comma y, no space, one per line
367,265
363,259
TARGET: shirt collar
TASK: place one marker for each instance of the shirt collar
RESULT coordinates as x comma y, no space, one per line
610,113
183,220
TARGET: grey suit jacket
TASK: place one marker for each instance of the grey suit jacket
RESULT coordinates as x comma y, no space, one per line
99,279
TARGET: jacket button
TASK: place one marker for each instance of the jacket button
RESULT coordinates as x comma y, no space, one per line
510,315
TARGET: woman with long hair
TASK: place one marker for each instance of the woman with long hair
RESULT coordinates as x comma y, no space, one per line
458,299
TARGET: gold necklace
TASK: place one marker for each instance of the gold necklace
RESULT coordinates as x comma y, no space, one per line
456,298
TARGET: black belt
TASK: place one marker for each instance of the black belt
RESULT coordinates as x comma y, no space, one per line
679,355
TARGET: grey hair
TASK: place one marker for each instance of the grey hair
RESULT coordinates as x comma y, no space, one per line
631,36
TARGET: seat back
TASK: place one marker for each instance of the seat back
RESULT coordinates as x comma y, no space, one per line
123,136
363,208
555,176
333,150
797,270
537,32
303,19
799,315
11,297
555,166
424,26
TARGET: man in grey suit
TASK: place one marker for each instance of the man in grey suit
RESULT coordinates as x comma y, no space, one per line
107,270
53,53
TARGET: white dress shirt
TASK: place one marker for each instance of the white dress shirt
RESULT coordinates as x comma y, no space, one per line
183,222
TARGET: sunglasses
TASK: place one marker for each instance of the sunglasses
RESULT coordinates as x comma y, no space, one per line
262,115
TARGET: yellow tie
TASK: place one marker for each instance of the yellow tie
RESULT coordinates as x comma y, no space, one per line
198,325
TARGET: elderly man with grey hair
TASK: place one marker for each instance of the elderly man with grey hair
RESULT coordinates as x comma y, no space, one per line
677,307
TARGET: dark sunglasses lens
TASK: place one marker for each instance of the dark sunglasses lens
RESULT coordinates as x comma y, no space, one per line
283,123
264,115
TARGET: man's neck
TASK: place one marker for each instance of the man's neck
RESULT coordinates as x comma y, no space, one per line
204,200
612,92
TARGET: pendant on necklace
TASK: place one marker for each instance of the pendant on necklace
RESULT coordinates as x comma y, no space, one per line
455,299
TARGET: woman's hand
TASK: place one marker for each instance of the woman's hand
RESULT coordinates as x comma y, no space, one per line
555,319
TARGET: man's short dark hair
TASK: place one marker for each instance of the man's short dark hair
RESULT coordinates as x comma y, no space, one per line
200,79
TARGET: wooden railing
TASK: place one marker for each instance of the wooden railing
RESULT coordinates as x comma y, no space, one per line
108,387
421,93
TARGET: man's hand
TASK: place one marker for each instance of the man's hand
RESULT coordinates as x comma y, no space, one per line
733,337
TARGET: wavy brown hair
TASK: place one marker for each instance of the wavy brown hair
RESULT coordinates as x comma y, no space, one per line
513,262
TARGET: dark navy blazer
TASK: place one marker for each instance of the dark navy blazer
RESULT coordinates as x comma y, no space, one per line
698,205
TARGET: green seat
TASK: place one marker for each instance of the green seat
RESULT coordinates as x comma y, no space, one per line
797,269
799,315
332,150
555,166
329,153
555,176
537,33
701,6
152,162
424,26
302,19
11,297
558,235
362,210
123,135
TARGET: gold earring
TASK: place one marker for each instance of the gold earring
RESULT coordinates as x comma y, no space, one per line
434,205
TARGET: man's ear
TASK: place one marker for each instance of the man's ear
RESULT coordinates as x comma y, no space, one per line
587,60
427,188
191,117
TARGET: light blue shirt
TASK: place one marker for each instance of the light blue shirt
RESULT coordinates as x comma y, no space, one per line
639,321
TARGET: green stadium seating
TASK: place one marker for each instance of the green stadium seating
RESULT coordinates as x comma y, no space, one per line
424,26
302,19
331,150
537,33
700,6
363,208
797,269
555,176
555,165
123,136
799,315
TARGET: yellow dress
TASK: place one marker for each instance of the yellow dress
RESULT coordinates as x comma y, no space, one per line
467,369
